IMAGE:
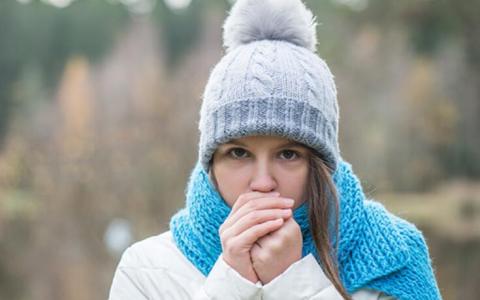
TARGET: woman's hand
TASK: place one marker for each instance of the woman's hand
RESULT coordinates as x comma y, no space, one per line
253,216
275,252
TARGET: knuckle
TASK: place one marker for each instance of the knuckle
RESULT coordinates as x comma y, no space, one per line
296,226
227,245
276,245
232,246
226,233
225,236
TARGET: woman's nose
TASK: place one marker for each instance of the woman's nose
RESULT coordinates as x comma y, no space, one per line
263,179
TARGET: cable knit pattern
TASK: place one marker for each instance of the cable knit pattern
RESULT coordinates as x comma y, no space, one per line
376,249
309,82
260,78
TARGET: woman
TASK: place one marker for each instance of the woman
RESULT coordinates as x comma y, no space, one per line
272,210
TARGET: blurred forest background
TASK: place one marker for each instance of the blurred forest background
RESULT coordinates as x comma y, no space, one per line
99,104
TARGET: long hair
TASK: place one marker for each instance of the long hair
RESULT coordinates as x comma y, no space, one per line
323,205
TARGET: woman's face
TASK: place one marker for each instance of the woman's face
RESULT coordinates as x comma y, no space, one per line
261,164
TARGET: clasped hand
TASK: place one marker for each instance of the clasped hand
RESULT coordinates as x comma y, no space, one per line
260,239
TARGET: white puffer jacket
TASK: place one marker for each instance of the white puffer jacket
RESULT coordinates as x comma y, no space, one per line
155,269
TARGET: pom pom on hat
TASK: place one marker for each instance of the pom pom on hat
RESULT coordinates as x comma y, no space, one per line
254,20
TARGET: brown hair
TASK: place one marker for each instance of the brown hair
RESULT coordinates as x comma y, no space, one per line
319,189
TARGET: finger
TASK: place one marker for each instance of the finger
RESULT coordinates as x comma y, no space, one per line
259,204
244,198
256,217
251,235
241,201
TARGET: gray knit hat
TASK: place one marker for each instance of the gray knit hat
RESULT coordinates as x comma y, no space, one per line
270,82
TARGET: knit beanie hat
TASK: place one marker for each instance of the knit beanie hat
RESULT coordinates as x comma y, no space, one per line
270,82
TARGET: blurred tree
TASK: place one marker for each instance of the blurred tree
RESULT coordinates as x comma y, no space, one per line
431,27
42,35
179,29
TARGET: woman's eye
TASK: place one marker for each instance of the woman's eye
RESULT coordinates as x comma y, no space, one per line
237,153
289,154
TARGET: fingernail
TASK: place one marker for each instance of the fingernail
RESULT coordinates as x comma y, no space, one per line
289,201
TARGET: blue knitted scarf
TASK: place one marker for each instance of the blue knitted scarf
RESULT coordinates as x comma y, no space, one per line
376,249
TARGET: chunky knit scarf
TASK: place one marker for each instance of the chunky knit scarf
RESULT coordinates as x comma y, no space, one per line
376,249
